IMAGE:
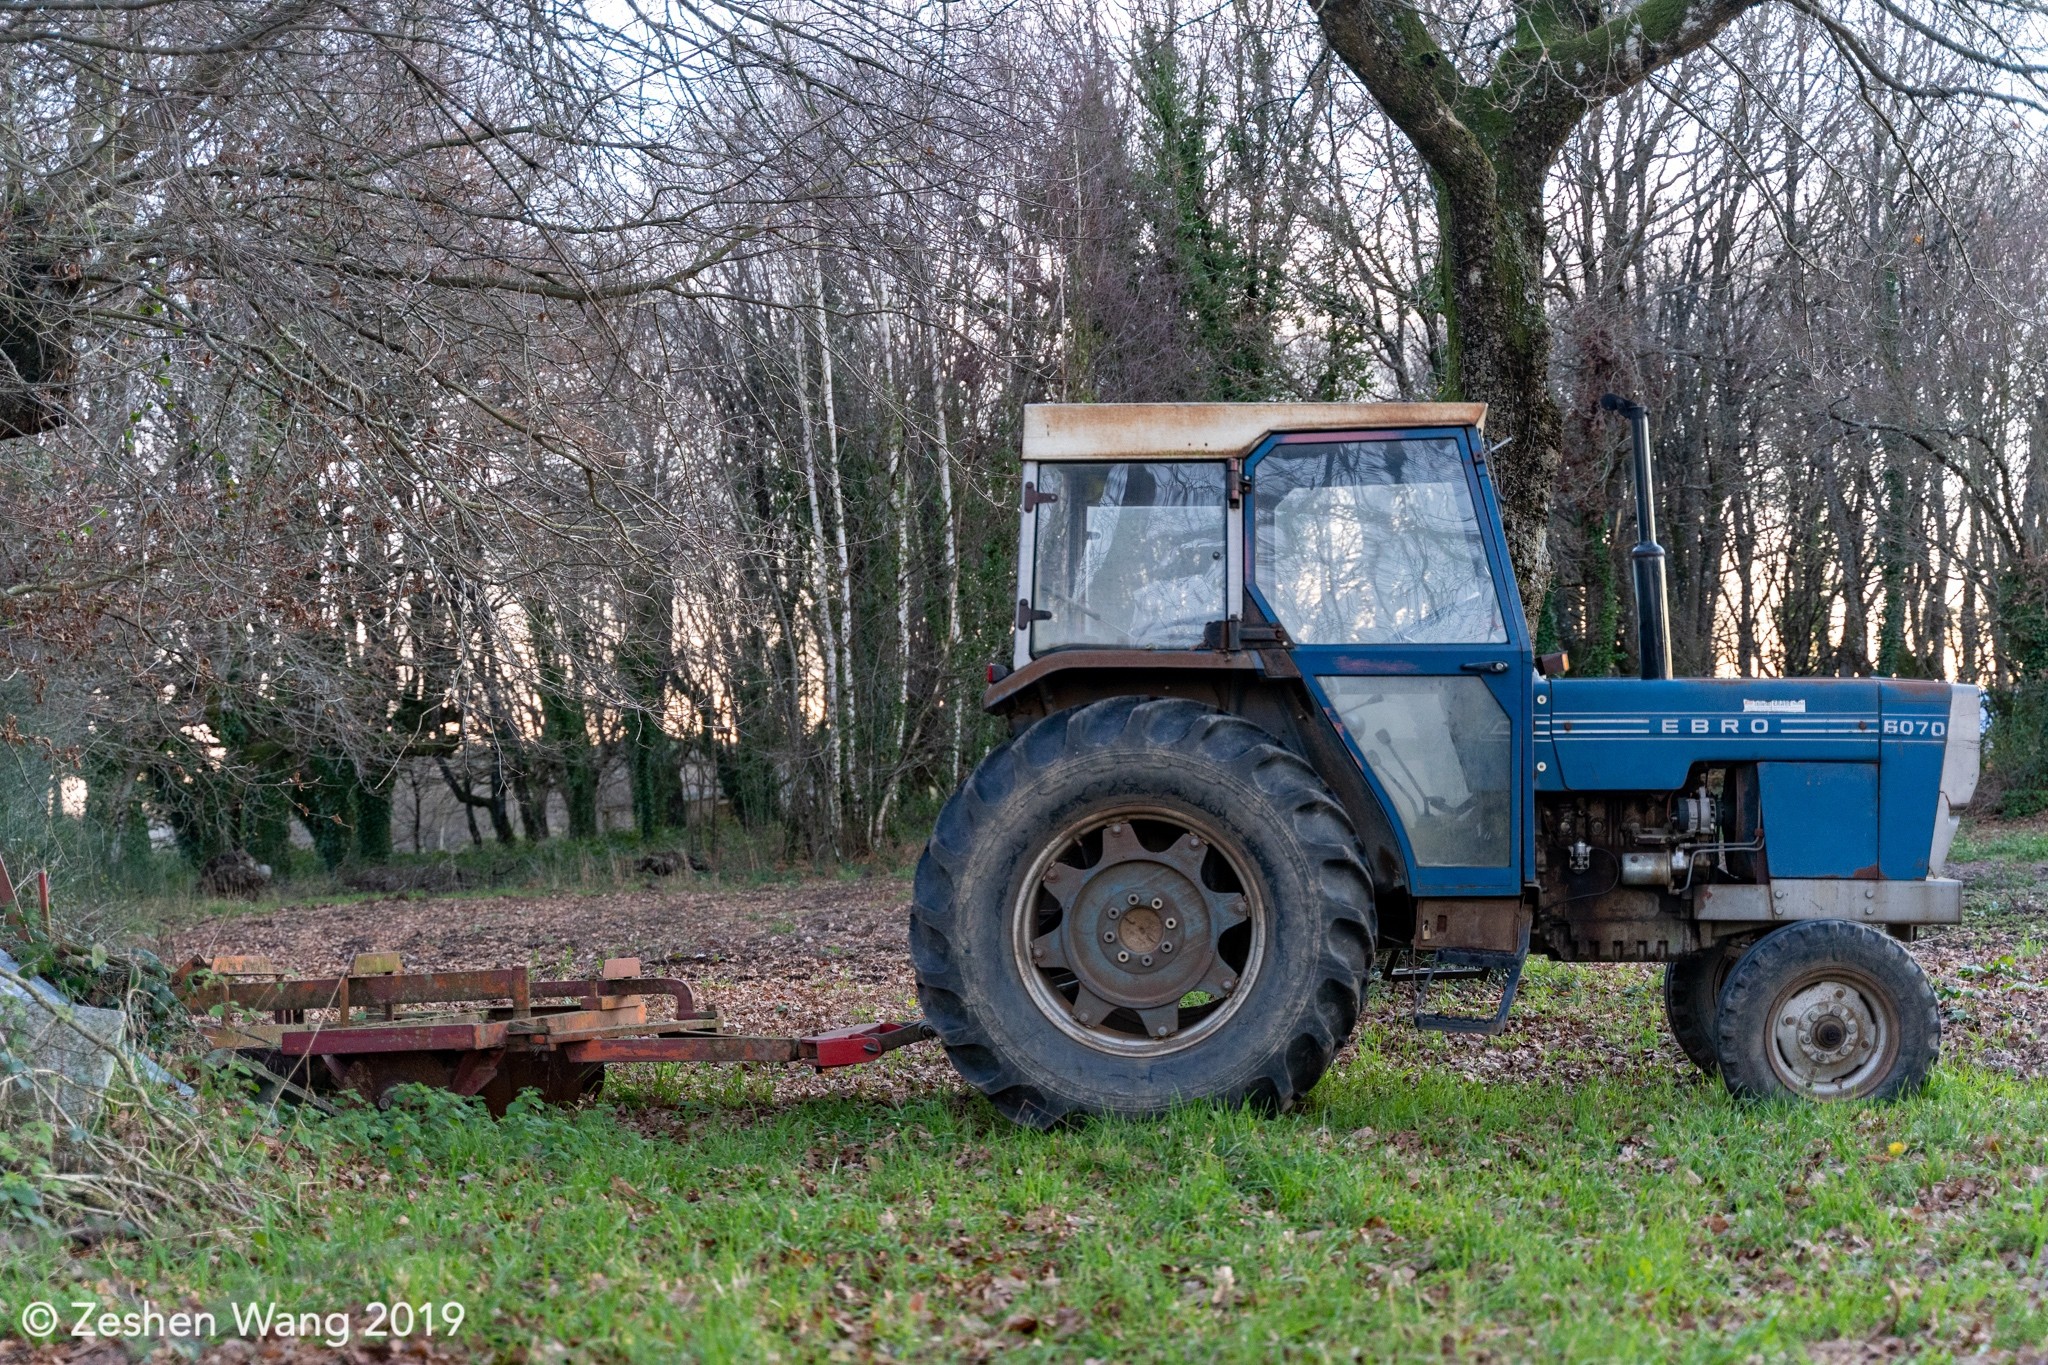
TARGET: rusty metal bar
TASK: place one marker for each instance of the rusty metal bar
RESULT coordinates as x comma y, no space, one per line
424,988
679,991
689,1047
860,1043
475,1071
13,918
328,1042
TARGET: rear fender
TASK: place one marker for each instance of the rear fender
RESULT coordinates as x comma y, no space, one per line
1261,686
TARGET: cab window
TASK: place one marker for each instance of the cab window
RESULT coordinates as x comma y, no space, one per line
1373,542
1129,554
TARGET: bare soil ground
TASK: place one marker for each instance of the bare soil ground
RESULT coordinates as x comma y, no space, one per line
800,958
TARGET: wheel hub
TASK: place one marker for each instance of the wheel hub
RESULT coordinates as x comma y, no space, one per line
1826,1035
1139,930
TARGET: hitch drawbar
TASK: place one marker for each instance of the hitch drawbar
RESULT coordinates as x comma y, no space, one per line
489,1033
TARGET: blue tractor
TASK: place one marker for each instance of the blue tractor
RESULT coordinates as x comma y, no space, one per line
1277,726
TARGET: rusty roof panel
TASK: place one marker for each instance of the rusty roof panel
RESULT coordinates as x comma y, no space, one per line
1124,431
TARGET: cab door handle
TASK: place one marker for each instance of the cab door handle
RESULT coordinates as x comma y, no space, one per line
1485,666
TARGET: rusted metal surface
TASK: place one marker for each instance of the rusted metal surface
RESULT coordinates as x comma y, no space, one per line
423,988
703,1047
1127,431
552,1036
13,918
315,1041
475,1071
860,1043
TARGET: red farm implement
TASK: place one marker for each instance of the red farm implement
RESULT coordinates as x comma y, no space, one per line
487,1033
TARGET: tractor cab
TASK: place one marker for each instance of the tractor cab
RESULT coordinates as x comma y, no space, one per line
1360,551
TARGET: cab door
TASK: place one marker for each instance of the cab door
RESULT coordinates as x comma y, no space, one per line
1380,555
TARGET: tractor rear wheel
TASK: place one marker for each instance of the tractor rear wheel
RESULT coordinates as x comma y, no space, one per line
1138,903
1692,991
1826,1009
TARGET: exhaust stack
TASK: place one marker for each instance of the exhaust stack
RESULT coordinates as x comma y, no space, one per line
1653,608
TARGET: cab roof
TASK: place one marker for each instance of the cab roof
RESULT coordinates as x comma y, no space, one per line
1127,431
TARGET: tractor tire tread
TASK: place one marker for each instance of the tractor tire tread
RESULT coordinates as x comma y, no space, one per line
1313,818
1754,981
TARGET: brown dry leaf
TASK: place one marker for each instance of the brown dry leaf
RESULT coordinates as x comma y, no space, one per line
803,958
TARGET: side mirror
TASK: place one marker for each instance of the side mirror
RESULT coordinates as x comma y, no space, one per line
1553,665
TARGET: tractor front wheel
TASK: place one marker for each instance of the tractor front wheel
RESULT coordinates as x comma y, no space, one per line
1826,1009
1138,903
1692,992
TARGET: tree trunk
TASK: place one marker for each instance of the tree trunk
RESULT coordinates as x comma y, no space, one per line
1489,146
1499,353
950,542
821,599
843,661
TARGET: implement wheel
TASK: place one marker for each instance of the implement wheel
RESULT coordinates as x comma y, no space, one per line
1692,992
1827,1009
1137,903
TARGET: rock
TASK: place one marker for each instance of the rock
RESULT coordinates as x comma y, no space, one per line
47,1070
233,873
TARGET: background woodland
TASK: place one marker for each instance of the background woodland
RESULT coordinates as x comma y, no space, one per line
533,396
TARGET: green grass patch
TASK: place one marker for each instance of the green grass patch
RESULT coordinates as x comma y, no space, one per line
1980,843
1405,1213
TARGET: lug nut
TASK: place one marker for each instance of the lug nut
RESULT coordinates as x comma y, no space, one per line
1116,911
1134,898
1158,904
1123,956
1167,946
1146,960
1109,935
1172,923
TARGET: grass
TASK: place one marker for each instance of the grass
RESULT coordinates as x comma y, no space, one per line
1406,1209
2002,842
1587,1204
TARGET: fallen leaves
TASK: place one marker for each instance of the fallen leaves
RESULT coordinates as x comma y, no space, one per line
807,957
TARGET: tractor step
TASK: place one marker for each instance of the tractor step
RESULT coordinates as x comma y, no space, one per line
1467,964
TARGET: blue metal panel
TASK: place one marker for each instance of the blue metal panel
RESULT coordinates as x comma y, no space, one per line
1915,732
1820,819
1549,772
1513,688
1625,734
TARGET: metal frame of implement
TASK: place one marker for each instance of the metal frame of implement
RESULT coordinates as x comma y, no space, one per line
366,1043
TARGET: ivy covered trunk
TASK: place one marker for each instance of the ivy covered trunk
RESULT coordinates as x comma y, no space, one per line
1491,262
1489,144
